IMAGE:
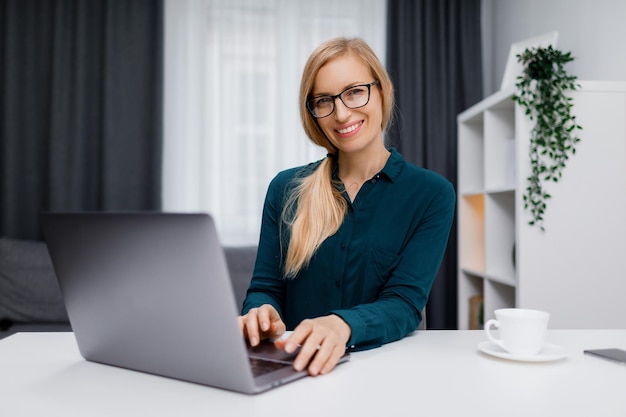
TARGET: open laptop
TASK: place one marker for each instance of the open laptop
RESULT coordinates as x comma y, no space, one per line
151,292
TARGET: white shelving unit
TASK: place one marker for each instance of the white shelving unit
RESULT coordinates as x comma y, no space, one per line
576,269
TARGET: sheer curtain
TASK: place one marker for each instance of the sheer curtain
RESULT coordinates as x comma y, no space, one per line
231,121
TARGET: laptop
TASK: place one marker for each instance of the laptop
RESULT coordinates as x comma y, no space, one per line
151,292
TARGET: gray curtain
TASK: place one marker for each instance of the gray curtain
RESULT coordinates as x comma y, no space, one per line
80,108
434,59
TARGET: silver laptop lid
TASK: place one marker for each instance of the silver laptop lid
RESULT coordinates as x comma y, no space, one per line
150,292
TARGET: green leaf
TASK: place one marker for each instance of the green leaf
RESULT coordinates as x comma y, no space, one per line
541,93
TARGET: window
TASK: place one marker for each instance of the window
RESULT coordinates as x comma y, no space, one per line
231,119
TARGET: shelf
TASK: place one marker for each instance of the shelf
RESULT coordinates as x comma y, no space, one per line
499,147
497,296
503,261
471,286
473,272
471,239
499,100
472,193
500,234
508,281
499,190
471,157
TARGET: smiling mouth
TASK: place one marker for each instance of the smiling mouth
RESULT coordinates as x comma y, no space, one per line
349,128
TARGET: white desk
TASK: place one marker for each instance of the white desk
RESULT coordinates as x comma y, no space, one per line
431,373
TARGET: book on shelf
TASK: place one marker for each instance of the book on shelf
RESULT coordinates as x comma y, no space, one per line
476,316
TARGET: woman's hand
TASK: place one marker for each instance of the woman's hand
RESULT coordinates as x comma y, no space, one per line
261,323
322,339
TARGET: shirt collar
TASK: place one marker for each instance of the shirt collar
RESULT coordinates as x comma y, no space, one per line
391,170
394,165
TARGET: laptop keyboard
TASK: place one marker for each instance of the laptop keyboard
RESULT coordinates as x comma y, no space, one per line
262,366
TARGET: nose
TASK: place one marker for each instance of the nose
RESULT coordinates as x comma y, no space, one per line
341,111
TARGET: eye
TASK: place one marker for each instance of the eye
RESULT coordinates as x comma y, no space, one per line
322,101
356,92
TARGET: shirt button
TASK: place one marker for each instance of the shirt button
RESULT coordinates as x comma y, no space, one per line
337,284
343,246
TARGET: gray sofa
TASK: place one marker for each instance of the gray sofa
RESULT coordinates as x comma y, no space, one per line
30,298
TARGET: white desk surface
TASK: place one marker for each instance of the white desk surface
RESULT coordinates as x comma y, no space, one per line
429,373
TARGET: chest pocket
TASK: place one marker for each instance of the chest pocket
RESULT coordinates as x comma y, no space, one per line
378,269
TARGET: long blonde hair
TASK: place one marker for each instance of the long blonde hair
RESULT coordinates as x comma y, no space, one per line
315,209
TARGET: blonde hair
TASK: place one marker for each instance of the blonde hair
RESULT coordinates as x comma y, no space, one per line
316,208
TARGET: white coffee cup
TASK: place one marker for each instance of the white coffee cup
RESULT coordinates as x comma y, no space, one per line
522,331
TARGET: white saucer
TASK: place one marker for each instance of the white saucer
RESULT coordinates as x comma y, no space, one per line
548,353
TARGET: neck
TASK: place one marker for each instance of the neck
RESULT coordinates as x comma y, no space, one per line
355,169
362,166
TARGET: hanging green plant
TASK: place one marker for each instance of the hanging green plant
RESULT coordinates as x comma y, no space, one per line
542,91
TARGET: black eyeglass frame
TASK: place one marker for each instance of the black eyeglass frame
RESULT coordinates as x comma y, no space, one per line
309,103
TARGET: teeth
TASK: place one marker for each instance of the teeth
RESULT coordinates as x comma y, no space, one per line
349,129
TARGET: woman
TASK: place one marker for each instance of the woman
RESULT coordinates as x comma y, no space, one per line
350,245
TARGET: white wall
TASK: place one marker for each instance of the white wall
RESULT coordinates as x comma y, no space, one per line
593,30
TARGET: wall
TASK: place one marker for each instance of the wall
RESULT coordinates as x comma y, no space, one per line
593,30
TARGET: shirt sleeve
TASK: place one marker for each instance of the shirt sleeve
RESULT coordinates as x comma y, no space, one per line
398,307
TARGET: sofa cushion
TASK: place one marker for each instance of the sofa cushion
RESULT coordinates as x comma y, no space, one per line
29,291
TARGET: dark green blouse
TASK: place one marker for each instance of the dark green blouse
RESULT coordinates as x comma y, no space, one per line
376,272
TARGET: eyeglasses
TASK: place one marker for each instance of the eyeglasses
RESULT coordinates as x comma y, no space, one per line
352,97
